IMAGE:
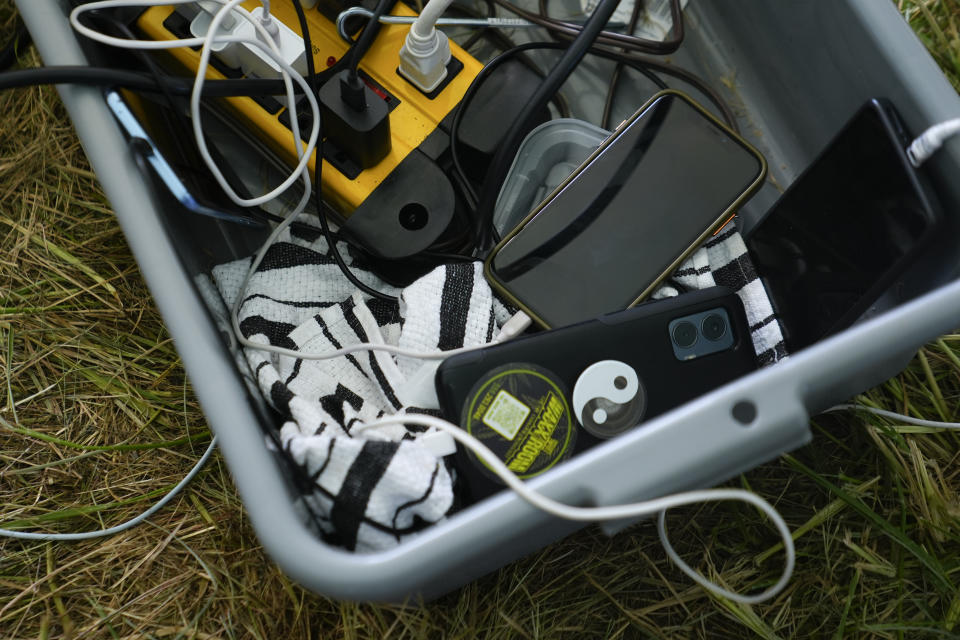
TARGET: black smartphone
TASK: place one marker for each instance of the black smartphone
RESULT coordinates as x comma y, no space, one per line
537,400
665,180
845,230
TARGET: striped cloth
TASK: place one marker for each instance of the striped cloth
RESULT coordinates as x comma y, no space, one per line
364,491
369,491
723,260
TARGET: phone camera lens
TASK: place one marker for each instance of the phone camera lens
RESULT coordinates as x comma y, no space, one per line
713,327
684,334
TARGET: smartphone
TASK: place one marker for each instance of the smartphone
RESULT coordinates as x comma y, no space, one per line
666,179
845,230
201,199
540,399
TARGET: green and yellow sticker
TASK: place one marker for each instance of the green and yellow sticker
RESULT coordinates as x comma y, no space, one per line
520,411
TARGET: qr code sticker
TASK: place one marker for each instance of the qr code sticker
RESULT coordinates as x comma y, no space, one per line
506,415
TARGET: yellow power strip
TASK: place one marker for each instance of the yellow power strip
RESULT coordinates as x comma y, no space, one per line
413,117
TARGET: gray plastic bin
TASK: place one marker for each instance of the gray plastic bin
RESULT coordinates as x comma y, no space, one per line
799,69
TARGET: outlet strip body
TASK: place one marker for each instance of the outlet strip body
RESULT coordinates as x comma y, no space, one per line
413,115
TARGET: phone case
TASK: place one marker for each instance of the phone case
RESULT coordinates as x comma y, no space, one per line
639,337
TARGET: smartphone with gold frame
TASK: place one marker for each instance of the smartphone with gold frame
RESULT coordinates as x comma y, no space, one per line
665,180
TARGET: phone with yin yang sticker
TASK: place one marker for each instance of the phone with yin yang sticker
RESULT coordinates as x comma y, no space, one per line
540,399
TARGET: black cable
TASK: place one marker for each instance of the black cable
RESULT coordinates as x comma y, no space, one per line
352,89
369,34
318,160
509,143
688,77
459,173
607,38
629,51
21,40
618,69
140,81
179,86
502,42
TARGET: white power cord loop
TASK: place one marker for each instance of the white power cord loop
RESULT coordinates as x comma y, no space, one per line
425,24
619,512
301,169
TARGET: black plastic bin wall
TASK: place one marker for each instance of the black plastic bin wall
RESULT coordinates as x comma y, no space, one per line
798,70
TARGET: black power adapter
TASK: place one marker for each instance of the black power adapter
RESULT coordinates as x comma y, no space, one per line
355,119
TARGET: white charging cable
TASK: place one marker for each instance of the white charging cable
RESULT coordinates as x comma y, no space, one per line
518,323
268,23
265,43
934,424
301,169
129,524
928,142
426,51
657,506
591,514
268,46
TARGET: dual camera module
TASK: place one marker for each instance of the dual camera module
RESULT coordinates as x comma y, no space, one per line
712,325
712,328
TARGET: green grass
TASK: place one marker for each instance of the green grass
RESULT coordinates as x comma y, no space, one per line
97,417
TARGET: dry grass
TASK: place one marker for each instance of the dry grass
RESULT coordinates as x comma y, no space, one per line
97,418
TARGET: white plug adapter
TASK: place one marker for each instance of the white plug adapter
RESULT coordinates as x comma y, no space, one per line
424,58
250,58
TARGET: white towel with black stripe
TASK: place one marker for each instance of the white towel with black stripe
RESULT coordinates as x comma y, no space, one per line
363,491
369,491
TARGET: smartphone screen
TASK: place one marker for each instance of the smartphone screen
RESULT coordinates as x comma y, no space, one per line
844,230
658,186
